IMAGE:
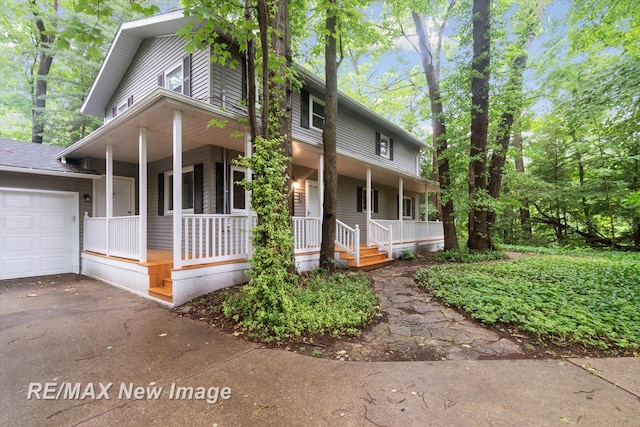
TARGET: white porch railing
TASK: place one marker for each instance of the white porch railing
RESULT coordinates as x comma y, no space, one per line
381,236
413,231
120,240
211,238
348,239
307,234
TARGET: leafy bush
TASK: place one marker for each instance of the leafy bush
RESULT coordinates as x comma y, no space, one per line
466,255
587,300
407,255
338,304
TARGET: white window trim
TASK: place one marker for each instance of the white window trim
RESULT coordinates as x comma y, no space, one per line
231,187
410,216
122,107
313,99
171,70
386,155
168,190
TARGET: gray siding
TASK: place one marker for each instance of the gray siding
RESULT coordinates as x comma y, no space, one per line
159,231
154,57
226,87
347,210
53,183
357,138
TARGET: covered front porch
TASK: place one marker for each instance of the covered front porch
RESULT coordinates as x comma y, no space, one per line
206,245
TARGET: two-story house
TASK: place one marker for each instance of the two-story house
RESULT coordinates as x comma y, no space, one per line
169,219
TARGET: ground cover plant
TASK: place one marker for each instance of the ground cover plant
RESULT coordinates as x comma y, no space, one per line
336,305
586,300
467,255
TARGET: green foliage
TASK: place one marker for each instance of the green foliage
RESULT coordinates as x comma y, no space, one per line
338,304
407,255
81,32
464,255
590,300
267,300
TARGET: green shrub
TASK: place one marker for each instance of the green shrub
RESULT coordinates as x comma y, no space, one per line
466,255
338,304
407,255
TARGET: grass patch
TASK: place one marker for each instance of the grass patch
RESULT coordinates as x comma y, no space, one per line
466,255
336,305
587,300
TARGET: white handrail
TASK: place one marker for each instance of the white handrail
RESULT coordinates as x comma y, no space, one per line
120,240
348,239
211,238
381,236
307,233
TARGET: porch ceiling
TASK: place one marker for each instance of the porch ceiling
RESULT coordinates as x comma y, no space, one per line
307,156
155,113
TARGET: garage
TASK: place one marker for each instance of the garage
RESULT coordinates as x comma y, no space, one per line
39,233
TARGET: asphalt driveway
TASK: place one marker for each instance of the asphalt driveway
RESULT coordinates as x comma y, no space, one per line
78,352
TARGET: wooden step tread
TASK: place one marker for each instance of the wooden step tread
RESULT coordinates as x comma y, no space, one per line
162,290
371,265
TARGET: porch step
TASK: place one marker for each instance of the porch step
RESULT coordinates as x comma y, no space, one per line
163,292
370,258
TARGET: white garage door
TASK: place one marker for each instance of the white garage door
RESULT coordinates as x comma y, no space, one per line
38,233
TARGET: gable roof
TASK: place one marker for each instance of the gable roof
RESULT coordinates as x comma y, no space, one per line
121,52
29,157
128,39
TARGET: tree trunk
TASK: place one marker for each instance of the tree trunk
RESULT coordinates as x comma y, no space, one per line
251,76
45,59
327,247
478,228
439,135
525,215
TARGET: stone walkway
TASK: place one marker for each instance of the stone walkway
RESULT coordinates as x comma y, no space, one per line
417,328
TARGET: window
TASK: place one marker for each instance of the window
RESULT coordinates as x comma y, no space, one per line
312,111
121,107
384,146
188,190
317,113
238,200
173,79
178,77
361,199
407,207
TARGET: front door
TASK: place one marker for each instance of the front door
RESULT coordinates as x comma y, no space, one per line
313,200
123,204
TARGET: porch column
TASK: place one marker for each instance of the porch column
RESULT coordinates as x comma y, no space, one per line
108,193
400,207
426,208
247,196
177,189
321,187
426,203
369,207
142,194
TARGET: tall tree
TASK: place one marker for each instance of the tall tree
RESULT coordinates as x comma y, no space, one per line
46,37
263,27
431,68
53,50
479,238
329,139
527,20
